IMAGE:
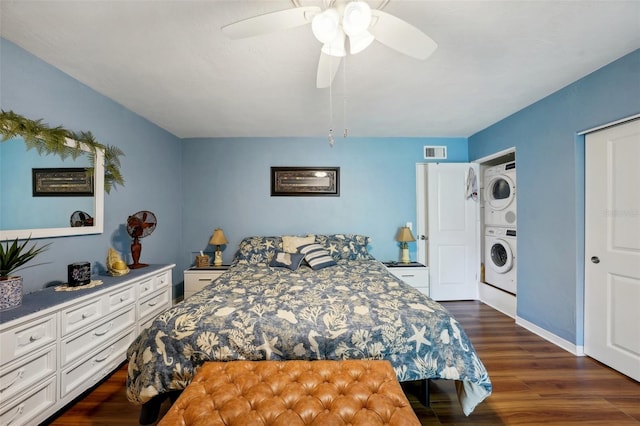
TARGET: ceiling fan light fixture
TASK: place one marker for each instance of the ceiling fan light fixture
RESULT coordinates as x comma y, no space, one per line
356,17
336,46
359,42
325,25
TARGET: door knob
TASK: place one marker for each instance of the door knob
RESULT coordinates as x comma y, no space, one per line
595,259
422,237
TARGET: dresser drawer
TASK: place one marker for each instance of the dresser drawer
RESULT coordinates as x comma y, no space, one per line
96,366
27,338
153,305
197,279
84,341
417,277
27,372
121,297
81,315
29,408
151,284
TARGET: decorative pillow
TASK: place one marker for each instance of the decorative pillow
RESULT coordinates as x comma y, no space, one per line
316,256
291,243
345,246
254,250
287,260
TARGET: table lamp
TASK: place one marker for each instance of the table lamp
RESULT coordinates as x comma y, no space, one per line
218,239
404,237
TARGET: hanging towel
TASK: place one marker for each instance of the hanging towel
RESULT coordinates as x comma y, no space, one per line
472,185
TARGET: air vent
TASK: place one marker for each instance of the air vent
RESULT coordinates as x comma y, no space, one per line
435,152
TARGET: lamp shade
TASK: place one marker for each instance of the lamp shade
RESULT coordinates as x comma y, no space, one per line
356,18
325,25
360,41
336,46
405,235
218,238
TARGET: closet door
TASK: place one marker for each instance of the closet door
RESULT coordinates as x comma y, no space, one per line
612,247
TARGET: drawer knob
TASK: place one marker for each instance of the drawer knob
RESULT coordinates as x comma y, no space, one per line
109,352
102,333
17,414
15,379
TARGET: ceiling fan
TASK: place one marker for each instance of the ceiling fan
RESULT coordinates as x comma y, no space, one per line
342,26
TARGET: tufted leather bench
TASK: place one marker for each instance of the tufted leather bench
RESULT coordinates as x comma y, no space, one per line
291,393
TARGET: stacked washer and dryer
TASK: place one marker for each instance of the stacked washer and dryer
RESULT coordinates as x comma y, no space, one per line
500,227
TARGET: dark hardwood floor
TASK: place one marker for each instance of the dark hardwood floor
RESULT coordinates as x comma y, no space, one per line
534,382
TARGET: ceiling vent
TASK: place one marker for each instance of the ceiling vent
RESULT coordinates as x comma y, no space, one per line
435,152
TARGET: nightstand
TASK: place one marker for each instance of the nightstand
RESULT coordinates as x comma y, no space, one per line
195,279
415,274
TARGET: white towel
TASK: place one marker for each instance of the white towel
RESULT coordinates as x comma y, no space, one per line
472,185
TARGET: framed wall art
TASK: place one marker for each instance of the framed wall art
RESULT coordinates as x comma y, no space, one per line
305,181
62,182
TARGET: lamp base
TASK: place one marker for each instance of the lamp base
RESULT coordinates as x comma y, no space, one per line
405,256
217,258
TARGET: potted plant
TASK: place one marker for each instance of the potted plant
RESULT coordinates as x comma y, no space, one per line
12,257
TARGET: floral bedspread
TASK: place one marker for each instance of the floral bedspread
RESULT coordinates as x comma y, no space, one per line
356,309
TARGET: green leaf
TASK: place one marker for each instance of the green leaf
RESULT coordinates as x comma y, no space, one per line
47,140
13,256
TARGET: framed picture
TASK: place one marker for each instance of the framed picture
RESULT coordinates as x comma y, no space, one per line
62,182
305,181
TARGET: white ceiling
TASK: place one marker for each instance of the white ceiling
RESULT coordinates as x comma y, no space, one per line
169,62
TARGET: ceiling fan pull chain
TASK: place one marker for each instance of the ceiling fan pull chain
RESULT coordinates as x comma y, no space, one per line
331,139
344,98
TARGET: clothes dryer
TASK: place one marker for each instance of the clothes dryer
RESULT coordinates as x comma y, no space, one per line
500,195
500,258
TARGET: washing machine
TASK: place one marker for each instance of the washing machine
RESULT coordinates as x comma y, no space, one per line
500,258
500,195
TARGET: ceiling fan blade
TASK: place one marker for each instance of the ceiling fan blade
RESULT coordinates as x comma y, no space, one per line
271,22
401,36
327,69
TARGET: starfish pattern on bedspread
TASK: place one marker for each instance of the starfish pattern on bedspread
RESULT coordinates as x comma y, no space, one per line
355,309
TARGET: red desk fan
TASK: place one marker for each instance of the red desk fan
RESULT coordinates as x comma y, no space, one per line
139,225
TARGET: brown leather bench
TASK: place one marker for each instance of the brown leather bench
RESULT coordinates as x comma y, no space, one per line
291,393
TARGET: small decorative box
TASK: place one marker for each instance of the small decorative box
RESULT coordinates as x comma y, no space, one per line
78,274
202,261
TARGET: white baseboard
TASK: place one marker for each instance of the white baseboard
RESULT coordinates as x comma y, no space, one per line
577,350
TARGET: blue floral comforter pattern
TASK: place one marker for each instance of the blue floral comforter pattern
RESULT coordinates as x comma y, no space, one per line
356,309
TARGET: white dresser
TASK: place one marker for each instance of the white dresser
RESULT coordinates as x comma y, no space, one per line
59,344
415,274
195,279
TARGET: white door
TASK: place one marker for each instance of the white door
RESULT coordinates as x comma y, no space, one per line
612,247
452,241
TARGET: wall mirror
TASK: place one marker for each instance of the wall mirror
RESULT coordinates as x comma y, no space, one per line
23,215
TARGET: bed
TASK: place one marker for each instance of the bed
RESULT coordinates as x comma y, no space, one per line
313,297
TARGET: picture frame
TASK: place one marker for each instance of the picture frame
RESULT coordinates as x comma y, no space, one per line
305,181
62,182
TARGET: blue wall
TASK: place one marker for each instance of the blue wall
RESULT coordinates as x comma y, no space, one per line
151,167
550,188
227,185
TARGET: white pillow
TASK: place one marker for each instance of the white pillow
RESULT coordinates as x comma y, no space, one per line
290,243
